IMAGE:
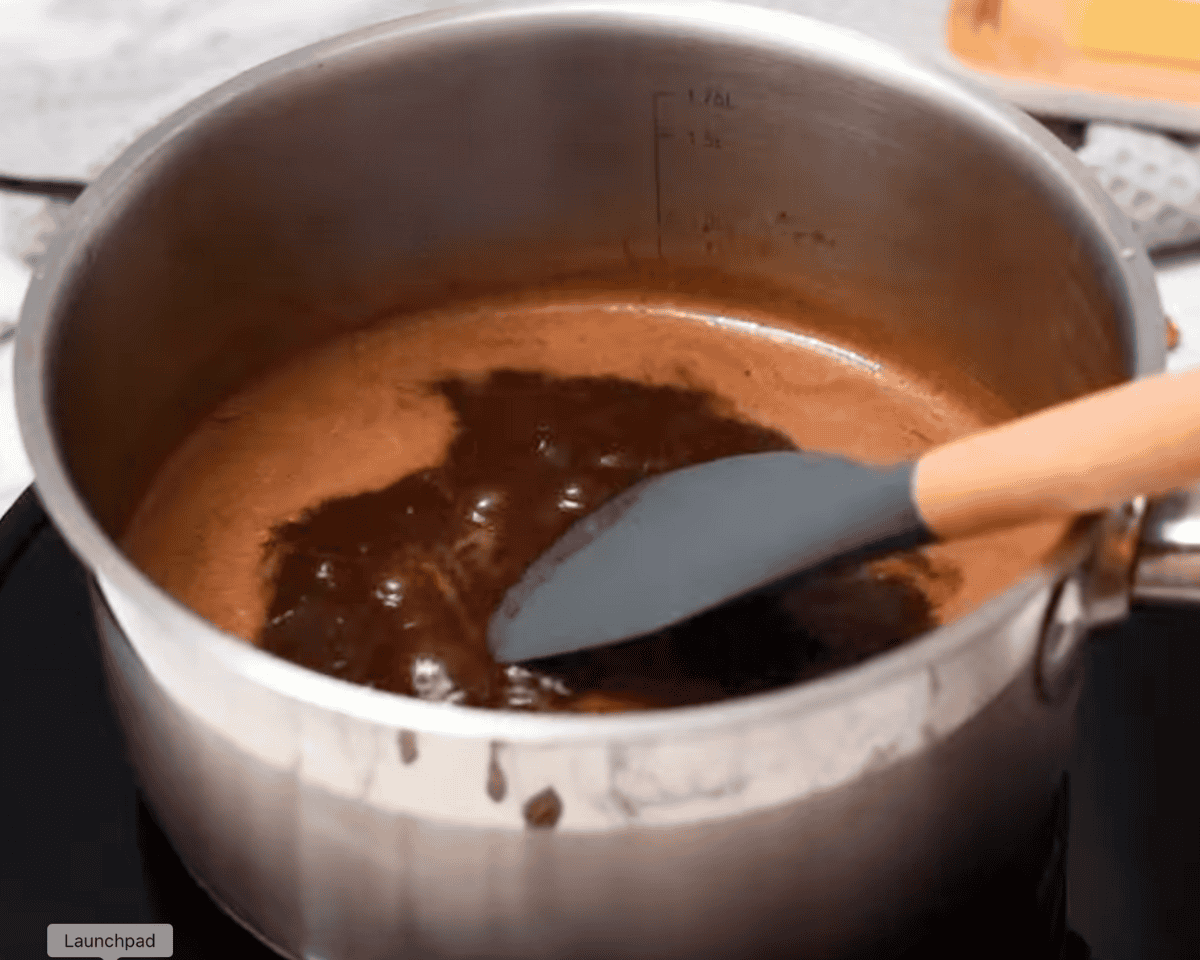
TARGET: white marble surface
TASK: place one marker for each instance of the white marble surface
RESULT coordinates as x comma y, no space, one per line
80,79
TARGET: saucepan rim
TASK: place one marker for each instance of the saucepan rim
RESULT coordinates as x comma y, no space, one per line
785,32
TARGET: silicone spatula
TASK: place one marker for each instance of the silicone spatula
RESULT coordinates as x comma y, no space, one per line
684,542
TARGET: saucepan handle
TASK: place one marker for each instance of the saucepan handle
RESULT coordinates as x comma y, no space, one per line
66,190
1167,569
1144,553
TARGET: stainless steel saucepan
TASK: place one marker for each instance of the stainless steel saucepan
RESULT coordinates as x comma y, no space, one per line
384,169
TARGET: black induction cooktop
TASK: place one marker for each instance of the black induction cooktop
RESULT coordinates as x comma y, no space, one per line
1122,855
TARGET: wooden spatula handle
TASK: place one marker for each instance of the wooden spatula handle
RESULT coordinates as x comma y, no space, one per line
1093,453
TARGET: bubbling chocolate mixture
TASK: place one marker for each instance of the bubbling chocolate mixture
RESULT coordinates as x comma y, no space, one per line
393,589
362,508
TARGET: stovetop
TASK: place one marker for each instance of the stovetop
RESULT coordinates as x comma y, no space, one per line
87,849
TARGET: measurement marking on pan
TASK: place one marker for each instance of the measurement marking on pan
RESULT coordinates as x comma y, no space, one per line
701,124
712,97
659,134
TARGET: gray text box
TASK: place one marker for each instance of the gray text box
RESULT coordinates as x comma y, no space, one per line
110,941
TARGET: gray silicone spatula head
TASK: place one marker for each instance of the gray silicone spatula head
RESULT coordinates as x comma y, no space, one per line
687,541
684,542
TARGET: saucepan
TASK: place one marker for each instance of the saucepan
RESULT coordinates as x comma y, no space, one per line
502,147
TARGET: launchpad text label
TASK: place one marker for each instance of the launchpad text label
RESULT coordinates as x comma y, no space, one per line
110,941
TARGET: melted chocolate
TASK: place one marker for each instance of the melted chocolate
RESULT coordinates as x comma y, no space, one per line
393,589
